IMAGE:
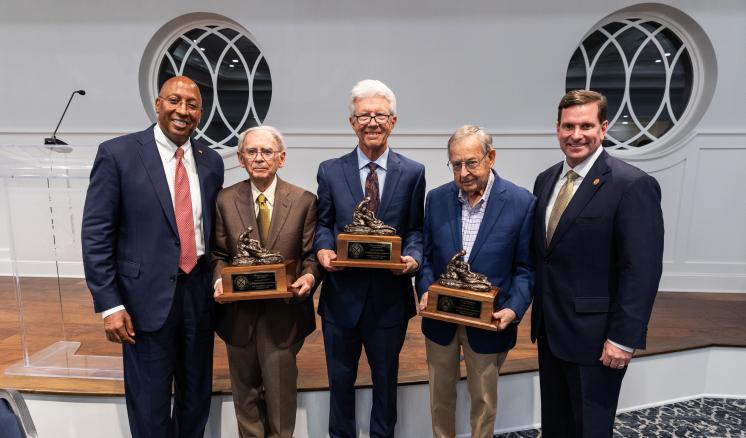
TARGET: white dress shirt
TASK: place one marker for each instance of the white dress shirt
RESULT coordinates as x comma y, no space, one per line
269,194
471,217
582,170
167,151
382,162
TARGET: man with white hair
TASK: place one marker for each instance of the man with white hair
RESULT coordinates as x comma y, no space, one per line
264,337
359,307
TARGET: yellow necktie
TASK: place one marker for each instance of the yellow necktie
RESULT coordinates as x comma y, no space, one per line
563,198
263,218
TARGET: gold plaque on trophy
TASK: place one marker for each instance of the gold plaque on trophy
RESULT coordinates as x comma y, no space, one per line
368,243
462,297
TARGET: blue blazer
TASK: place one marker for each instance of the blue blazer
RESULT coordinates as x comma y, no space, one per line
129,235
598,278
344,293
502,252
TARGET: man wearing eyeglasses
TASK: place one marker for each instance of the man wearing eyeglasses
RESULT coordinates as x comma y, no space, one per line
147,226
491,219
264,337
368,308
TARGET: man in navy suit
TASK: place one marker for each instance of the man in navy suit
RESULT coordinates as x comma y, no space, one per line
491,219
147,225
367,307
598,238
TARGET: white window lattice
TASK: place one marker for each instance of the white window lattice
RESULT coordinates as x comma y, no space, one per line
232,73
644,69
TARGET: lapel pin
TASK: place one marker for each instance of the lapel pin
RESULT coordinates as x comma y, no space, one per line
595,181
199,151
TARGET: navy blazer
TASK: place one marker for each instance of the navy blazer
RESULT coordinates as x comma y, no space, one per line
344,293
129,235
501,251
598,278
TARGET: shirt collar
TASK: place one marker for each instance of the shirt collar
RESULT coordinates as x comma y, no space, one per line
269,193
169,146
583,167
362,160
486,195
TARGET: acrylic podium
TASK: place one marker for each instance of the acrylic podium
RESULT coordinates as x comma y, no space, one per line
42,191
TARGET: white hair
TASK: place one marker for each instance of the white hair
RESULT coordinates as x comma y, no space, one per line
372,88
271,130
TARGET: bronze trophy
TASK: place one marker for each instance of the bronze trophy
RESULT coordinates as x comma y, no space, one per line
255,273
368,243
461,296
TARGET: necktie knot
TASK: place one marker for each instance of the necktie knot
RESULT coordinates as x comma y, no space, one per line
261,199
571,175
179,153
372,166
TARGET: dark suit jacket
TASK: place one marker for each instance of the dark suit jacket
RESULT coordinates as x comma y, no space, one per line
291,234
129,235
502,252
344,293
598,278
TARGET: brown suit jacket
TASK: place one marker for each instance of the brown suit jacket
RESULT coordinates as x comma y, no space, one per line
291,234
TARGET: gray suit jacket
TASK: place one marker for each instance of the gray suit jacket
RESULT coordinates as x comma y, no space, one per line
291,234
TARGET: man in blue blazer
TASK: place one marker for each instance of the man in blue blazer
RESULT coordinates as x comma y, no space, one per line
598,238
147,225
367,307
491,219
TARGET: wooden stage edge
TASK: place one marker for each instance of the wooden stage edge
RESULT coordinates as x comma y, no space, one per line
681,321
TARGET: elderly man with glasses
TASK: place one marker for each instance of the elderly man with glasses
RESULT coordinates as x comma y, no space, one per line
491,220
368,308
264,337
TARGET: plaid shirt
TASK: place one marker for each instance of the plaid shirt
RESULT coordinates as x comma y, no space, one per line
471,217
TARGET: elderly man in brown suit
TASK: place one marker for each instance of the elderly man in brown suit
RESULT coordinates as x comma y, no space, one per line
264,336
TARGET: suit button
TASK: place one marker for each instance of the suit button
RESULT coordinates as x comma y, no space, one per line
173,278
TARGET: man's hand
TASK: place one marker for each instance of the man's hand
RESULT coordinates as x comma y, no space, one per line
119,327
411,263
614,357
503,317
325,257
218,292
302,286
423,301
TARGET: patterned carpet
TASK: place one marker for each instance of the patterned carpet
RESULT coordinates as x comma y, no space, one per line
702,417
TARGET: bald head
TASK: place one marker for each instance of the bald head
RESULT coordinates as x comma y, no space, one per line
179,108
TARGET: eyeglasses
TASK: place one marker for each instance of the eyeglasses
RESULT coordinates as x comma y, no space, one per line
265,152
176,102
470,164
364,119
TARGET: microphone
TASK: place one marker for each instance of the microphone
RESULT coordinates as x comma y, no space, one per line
53,139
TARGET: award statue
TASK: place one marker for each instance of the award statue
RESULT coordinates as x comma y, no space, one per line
255,273
461,296
368,243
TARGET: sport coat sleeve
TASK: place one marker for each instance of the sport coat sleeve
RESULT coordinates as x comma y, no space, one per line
412,236
638,234
522,283
101,214
325,214
309,263
220,255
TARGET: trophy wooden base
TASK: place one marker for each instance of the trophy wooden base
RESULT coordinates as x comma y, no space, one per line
256,282
459,306
366,251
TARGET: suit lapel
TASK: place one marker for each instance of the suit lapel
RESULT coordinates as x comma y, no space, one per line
594,179
151,159
495,204
393,173
200,162
454,209
245,207
280,212
543,202
352,175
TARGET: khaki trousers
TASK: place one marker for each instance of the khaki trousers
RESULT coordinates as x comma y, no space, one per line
482,371
264,384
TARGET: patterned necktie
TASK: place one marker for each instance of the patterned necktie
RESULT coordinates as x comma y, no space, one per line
263,218
371,187
184,218
560,204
